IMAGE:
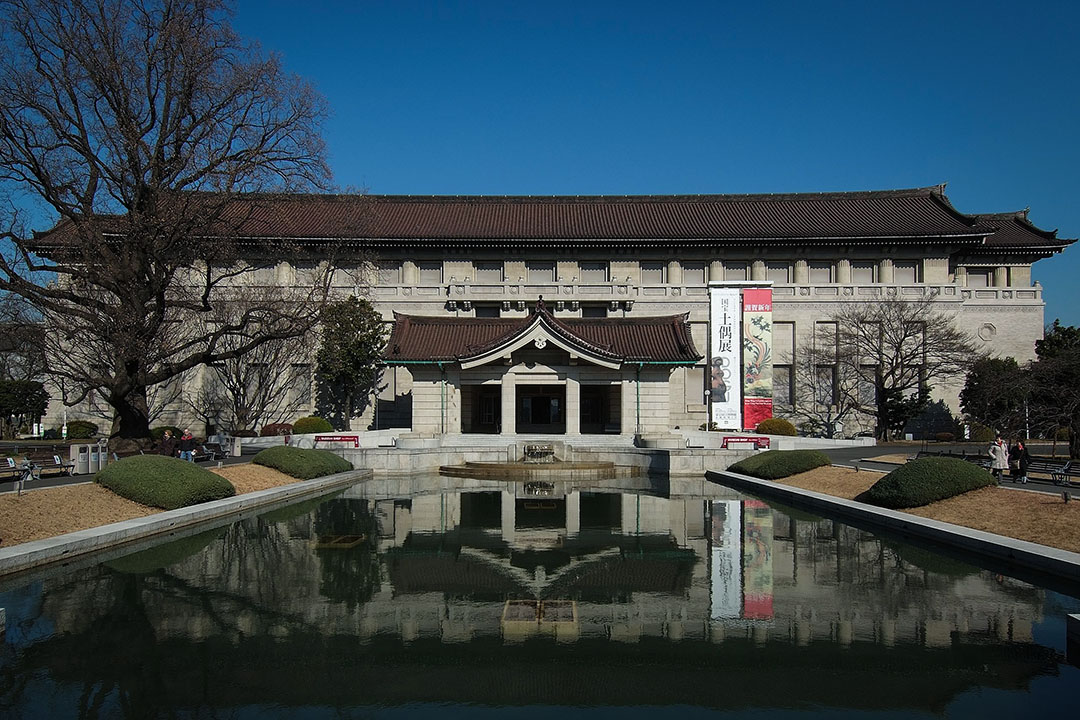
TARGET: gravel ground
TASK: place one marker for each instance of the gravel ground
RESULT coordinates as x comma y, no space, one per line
48,512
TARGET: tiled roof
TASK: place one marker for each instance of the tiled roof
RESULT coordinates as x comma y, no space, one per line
913,215
418,338
917,213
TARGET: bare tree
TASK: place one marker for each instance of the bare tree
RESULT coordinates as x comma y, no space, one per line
136,122
825,394
901,348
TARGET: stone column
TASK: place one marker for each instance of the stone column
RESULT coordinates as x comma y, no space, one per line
757,271
573,406
509,404
409,273
886,274
843,272
1001,276
802,272
716,271
674,273
960,278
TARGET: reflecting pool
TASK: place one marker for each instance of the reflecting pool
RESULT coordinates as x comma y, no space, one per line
450,597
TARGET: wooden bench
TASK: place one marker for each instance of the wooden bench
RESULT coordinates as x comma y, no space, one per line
10,470
47,462
215,450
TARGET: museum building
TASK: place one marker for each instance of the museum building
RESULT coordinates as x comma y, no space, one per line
594,314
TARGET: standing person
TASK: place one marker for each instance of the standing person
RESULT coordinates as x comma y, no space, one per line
999,458
1020,455
168,445
187,446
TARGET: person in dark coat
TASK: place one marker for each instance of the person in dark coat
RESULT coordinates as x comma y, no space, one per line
1020,457
167,447
187,446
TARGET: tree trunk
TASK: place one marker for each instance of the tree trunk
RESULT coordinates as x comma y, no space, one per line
132,416
1074,438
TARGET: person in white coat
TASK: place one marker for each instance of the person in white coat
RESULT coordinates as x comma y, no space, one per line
999,458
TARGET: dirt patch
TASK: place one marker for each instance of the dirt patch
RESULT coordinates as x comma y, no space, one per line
893,459
1024,515
49,512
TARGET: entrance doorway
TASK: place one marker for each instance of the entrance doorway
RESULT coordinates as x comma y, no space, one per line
541,409
481,408
600,409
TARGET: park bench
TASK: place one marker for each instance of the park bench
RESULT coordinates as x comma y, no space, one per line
215,450
9,470
49,460
1061,471
202,452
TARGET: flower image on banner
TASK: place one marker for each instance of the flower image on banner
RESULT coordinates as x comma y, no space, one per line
757,356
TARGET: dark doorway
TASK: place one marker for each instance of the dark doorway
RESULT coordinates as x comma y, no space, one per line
600,409
541,409
481,409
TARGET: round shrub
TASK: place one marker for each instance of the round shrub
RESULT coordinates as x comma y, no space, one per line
163,482
774,464
928,480
306,425
81,430
275,429
981,433
245,433
776,426
156,433
301,463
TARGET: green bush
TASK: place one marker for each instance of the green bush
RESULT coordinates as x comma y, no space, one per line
301,463
980,433
774,464
1061,434
306,425
245,433
776,426
945,437
928,480
163,482
81,430
156,433
275,429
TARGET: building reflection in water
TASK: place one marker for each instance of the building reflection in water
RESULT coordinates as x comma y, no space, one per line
630,563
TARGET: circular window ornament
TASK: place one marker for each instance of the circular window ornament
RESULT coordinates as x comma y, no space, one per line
540,343
987,331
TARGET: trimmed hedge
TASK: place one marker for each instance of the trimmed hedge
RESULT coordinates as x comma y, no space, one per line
81,430
312,424
920,482
275,429
301,463
776,426
163,482
775,464
161,556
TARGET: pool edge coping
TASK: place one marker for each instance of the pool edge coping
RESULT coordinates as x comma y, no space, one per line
1043,558
67,547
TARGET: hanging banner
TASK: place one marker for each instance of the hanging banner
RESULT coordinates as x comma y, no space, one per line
757,561
725,542
757,356
725,385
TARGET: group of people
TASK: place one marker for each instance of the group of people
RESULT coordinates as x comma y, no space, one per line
1014,458
182,447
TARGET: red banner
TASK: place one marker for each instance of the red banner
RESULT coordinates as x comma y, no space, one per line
757,356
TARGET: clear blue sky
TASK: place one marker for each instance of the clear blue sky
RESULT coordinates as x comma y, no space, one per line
592,97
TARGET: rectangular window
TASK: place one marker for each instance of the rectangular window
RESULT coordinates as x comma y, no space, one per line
430,272
736,270
782,385
389,272
693,273
863,272
593,271
488,271
867,386
779,272
540,272
487,311
694,389
826,339
652,273
825,385
978,277
821,273
594,311
262,275
301,384
906,272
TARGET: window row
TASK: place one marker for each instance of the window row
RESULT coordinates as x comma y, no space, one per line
658,272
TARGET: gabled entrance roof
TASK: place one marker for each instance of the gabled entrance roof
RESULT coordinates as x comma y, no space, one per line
609,342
